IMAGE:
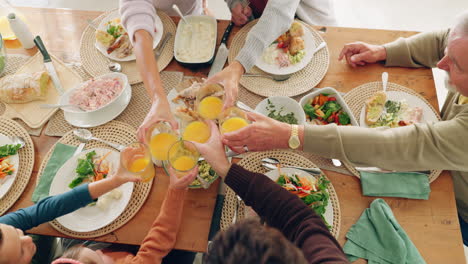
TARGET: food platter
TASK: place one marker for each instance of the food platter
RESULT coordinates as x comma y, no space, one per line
7,182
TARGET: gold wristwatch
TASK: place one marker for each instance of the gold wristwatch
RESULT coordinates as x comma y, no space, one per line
294,141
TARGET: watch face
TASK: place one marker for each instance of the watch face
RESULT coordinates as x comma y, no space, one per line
294,142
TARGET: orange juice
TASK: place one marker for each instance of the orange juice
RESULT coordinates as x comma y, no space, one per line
138,165
233,124
160,144
184,163
210,107
197,131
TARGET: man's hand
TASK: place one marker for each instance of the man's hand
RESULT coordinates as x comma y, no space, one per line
263,134
360,53
229,77
240,15
160,111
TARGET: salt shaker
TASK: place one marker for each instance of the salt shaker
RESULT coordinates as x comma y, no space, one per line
21,31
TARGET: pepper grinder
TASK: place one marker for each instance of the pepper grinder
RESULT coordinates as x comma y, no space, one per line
21,31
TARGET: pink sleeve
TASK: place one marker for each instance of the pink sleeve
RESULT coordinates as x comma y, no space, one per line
138,14
162,237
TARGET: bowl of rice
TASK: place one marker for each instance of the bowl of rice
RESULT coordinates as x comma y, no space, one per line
96,94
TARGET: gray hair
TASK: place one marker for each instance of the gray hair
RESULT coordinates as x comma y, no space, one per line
462,23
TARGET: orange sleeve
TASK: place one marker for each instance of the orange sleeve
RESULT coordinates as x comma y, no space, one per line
162,236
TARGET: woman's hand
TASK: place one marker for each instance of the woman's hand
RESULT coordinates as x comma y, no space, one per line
181,183
229,77
213,152
160,111
240,14
122,176
263,134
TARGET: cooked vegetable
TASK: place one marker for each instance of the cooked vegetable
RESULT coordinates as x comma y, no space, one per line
205,171
8,150
312,192
287,118
324,109
90,169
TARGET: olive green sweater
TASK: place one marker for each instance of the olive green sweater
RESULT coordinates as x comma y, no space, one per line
439,145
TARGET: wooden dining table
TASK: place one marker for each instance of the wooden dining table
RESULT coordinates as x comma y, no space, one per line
431,224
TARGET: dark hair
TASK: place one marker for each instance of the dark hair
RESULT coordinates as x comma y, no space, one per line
74,253
1,237
248,242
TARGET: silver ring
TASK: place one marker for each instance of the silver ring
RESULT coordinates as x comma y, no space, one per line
246,149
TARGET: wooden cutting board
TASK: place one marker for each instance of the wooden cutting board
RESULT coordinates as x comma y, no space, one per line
31,113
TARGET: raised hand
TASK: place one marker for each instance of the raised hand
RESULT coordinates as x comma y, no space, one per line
160,111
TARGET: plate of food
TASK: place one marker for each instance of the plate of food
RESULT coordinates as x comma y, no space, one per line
9,162
311,190
283,109
395,109
112,39
326,106
89,166
290,52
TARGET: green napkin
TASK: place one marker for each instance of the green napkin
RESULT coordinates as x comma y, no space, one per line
397,184
61,154
379,238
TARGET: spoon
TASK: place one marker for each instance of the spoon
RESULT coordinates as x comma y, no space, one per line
319,47
278,78
60,106
115,67
84,135
176,8
17,140
163,44
384,81
270,163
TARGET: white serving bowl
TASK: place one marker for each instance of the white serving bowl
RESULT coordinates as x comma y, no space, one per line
289,105
118,100
328,90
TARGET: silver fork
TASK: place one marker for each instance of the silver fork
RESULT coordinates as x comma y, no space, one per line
163,44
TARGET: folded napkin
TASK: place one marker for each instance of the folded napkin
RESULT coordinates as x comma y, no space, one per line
61,154
379,238
411,185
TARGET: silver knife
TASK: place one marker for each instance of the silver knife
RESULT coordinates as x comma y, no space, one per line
49,65
222,54
163,44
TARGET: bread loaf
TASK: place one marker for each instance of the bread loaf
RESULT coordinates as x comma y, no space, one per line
23,88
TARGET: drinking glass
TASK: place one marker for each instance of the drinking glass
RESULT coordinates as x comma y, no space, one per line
160,138
233,119
136,158
183,157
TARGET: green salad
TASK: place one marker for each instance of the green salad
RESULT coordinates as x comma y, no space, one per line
206,172
289,118
8,150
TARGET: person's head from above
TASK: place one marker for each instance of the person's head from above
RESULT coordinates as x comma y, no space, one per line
15,247
249,242
80,254
455,61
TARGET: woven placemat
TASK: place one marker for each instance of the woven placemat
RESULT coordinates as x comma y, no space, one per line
96,64
13,63
356,99
133,115
120,133
300,82
9,127
252,162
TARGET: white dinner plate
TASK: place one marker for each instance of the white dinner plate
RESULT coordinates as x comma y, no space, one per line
158,35
90,218
110,112
413,101
6,183
274,175
276,70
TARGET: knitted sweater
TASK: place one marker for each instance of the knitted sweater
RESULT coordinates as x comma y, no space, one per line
289,214
439,145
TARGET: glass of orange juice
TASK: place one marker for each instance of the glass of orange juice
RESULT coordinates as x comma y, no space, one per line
233,119
197,131
183,157
160,138
209,103
136,158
